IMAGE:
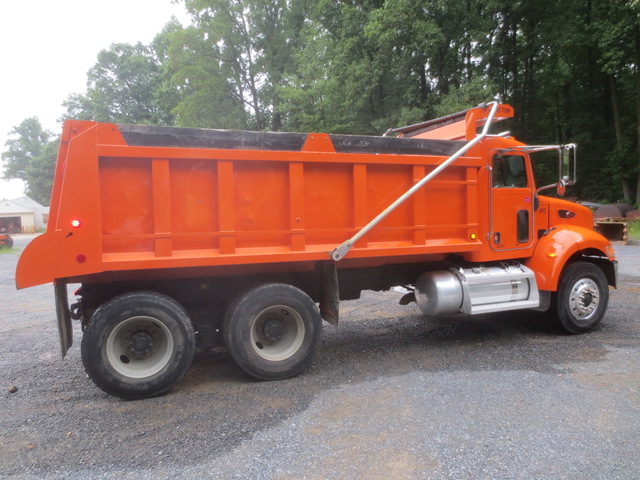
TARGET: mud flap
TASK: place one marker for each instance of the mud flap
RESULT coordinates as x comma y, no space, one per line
64,316
330,304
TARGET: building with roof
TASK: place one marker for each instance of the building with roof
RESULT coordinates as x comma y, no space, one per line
22,215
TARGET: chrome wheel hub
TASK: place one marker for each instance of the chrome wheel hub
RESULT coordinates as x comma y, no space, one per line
584,299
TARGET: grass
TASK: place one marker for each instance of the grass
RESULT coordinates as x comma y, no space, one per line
634,229
4,249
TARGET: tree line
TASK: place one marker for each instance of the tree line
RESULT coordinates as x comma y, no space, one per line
569,67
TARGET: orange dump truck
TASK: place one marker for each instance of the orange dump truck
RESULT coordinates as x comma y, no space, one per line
182,237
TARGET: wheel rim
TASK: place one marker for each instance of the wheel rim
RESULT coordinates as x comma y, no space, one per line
584,299
139,347
277,333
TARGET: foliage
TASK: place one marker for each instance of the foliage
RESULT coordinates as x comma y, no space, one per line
40,173
27,143
634,229
121,87
230,63
206,94
570,68
31,156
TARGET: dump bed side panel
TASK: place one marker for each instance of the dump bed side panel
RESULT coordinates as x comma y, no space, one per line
154,198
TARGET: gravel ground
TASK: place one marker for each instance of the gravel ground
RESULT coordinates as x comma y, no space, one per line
390,395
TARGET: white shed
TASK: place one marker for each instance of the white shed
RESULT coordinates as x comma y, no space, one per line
40,212
22,215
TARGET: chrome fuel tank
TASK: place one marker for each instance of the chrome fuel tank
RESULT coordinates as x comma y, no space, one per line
478,289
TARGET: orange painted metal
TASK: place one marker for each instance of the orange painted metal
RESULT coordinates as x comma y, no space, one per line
148,211
565,238
459,126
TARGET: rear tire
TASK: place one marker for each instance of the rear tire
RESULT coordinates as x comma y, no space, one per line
582,297
138,345
273,331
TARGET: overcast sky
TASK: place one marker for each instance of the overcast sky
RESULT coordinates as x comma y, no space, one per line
47,47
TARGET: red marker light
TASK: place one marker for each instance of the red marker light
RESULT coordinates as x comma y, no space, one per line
75,223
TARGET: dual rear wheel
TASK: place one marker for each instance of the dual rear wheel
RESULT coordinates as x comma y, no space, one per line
273,331
140,344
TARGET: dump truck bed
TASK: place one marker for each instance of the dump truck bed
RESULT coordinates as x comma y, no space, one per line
138,198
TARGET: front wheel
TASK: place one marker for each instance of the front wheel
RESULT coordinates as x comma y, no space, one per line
273,331
582,297
138,345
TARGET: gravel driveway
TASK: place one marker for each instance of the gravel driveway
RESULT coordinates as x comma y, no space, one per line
390,395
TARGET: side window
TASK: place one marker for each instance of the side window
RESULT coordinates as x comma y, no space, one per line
509,171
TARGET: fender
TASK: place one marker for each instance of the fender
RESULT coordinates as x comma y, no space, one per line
557,247
38,262
55,255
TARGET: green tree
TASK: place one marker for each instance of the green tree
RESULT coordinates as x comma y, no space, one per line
206,93
570,69
40,173
122,87
617,33
25,143
331,85
230,63
366,65
30,156
343,78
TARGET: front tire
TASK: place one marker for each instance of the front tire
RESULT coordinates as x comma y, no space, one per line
582,297
273,331
138,345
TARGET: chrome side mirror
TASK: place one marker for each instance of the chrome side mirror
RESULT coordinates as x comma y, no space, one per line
567,164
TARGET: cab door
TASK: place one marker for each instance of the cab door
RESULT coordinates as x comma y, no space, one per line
512,199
